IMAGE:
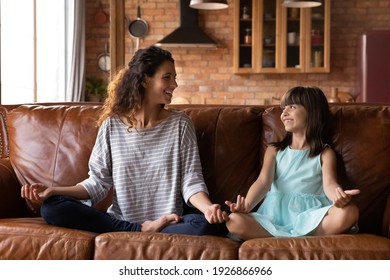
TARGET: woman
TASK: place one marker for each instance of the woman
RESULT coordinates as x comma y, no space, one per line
148,154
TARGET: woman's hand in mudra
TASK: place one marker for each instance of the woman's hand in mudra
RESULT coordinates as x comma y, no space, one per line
36,192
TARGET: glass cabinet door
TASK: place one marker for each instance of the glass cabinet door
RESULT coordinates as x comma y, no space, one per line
270,38
293,38
318,43
245,35
269,60
305,38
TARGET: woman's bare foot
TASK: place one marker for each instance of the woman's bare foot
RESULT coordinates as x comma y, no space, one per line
160,223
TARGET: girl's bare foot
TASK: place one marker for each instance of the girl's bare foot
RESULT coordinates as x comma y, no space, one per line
160,223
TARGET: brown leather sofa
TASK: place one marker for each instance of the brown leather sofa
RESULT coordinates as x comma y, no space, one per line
51,143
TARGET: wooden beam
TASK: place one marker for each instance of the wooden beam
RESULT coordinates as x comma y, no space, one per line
117,40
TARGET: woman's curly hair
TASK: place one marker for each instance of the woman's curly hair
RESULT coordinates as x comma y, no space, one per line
125,91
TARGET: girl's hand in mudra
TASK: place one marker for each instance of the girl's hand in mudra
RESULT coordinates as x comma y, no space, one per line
342,197
239,206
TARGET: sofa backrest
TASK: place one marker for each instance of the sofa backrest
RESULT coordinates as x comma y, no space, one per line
52,145
229,145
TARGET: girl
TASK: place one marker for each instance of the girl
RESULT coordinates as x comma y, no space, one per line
147,153
298,179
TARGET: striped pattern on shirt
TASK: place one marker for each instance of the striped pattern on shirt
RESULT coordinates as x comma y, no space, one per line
151,169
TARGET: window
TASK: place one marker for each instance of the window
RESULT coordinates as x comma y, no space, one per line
36,38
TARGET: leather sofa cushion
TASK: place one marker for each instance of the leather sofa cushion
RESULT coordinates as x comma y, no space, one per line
159,246
33,239
332,247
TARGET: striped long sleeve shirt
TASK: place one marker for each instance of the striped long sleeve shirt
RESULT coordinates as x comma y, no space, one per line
151,169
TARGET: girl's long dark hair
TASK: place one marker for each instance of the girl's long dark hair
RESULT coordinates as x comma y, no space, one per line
125,91
317,108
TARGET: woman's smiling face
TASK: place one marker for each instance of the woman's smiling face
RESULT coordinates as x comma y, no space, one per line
160,87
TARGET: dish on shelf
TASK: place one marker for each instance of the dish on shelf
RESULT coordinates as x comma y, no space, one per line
316,15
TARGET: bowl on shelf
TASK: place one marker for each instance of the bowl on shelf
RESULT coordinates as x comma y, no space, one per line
268,63
316,16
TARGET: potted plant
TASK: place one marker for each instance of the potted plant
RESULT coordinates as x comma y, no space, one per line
95,88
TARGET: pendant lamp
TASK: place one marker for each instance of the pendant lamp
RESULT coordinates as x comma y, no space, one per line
209,4
300,3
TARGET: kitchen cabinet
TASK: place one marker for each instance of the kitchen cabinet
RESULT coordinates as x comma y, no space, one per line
270,38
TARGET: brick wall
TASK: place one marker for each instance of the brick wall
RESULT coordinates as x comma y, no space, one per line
97,35
208,74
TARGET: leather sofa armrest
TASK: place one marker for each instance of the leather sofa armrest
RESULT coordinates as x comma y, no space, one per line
11,203
386,219
3,133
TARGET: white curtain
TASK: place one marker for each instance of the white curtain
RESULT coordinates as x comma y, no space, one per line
75,84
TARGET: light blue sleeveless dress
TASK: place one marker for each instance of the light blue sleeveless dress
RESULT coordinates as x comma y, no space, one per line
296,202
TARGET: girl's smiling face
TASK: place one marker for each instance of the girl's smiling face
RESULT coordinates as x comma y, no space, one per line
160,87
294,118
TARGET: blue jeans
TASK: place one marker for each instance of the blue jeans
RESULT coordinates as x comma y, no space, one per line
71,213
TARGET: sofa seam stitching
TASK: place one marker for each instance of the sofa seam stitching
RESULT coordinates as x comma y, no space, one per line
58,142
